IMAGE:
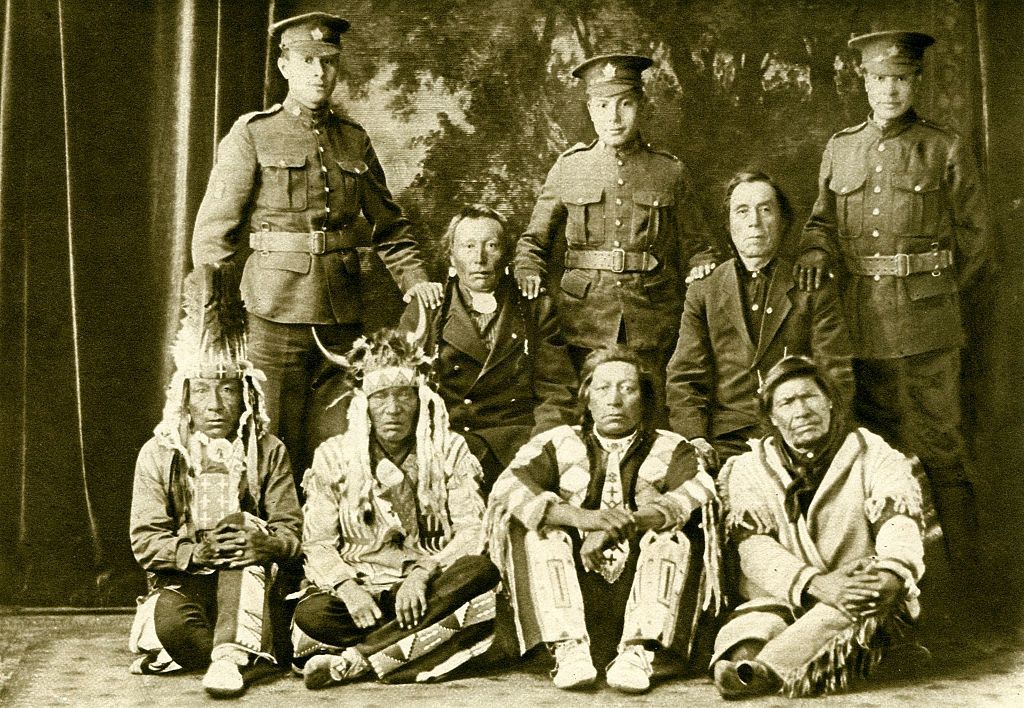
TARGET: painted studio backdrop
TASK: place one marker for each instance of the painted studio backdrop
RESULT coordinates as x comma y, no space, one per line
109,117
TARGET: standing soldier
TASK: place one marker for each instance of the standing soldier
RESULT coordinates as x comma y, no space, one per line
901,210
630,221
290,183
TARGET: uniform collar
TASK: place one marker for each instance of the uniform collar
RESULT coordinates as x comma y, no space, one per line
897,126
630,148
310,117
764,271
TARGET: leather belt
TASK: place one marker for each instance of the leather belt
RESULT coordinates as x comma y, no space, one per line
901,265
316,242
616,260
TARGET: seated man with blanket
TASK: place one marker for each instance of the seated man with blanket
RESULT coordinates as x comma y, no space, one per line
826,519
597,529
214,513
392,533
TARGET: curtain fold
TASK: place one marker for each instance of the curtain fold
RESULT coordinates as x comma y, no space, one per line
108,121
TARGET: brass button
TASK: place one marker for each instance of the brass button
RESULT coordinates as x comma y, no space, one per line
468,401
655,202
881,147
620,181
875,233
515,336
618,202
917,188
877,278
755,307
618,222
465,428
877,189
615,244
621,163
768,310
878,168
320,148
876,211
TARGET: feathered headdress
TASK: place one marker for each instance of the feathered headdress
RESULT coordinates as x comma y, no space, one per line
384,359
212,344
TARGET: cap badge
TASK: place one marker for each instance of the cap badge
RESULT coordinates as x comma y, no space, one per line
317,34
608,71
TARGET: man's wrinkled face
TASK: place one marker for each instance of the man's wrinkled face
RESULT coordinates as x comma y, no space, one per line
615,399
478,253
801,411
311,79
616,118
215,406
755,220
393,413
890,96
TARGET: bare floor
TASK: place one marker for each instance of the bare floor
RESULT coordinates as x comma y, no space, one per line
82,661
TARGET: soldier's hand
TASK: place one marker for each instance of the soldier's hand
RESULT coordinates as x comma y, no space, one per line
430,294
529,285
411,599
359,603
707,454
592,550
698,272
812,269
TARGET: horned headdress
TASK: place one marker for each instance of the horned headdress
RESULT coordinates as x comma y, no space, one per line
385,359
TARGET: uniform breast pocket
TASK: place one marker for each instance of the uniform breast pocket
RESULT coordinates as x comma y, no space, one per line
348,193
585,214
848,189
649,206
284,184
917,204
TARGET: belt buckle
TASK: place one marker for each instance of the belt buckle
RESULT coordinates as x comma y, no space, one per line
317,243
618,260
902,265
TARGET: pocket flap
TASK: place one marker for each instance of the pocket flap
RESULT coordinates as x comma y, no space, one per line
356,167
294,262
915,183
583,194
575,283
279,158
847,182
652,198
925,285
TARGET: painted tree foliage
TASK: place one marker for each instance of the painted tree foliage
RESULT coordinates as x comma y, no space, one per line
735,83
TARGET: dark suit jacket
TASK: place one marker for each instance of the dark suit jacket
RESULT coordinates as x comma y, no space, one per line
712,378
525,385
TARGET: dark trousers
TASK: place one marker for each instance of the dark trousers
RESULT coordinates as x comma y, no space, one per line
734,442
289,357
325,618
914,403
199,614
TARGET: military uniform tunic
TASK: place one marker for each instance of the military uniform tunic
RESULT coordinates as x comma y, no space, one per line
290,170
633,198
910,187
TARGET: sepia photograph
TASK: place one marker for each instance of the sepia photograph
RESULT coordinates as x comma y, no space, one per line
511,352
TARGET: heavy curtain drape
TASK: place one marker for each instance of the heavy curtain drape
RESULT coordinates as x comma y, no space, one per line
109,114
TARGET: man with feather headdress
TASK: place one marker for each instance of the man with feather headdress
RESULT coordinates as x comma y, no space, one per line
392,532
214,509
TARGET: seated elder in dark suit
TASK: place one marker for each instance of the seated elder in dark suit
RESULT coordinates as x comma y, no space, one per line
501,365
742,319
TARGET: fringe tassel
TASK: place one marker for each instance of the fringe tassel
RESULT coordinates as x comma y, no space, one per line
848,655
714,596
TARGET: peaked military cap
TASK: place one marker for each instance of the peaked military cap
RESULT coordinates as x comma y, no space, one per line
612,74
313,34
893,52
